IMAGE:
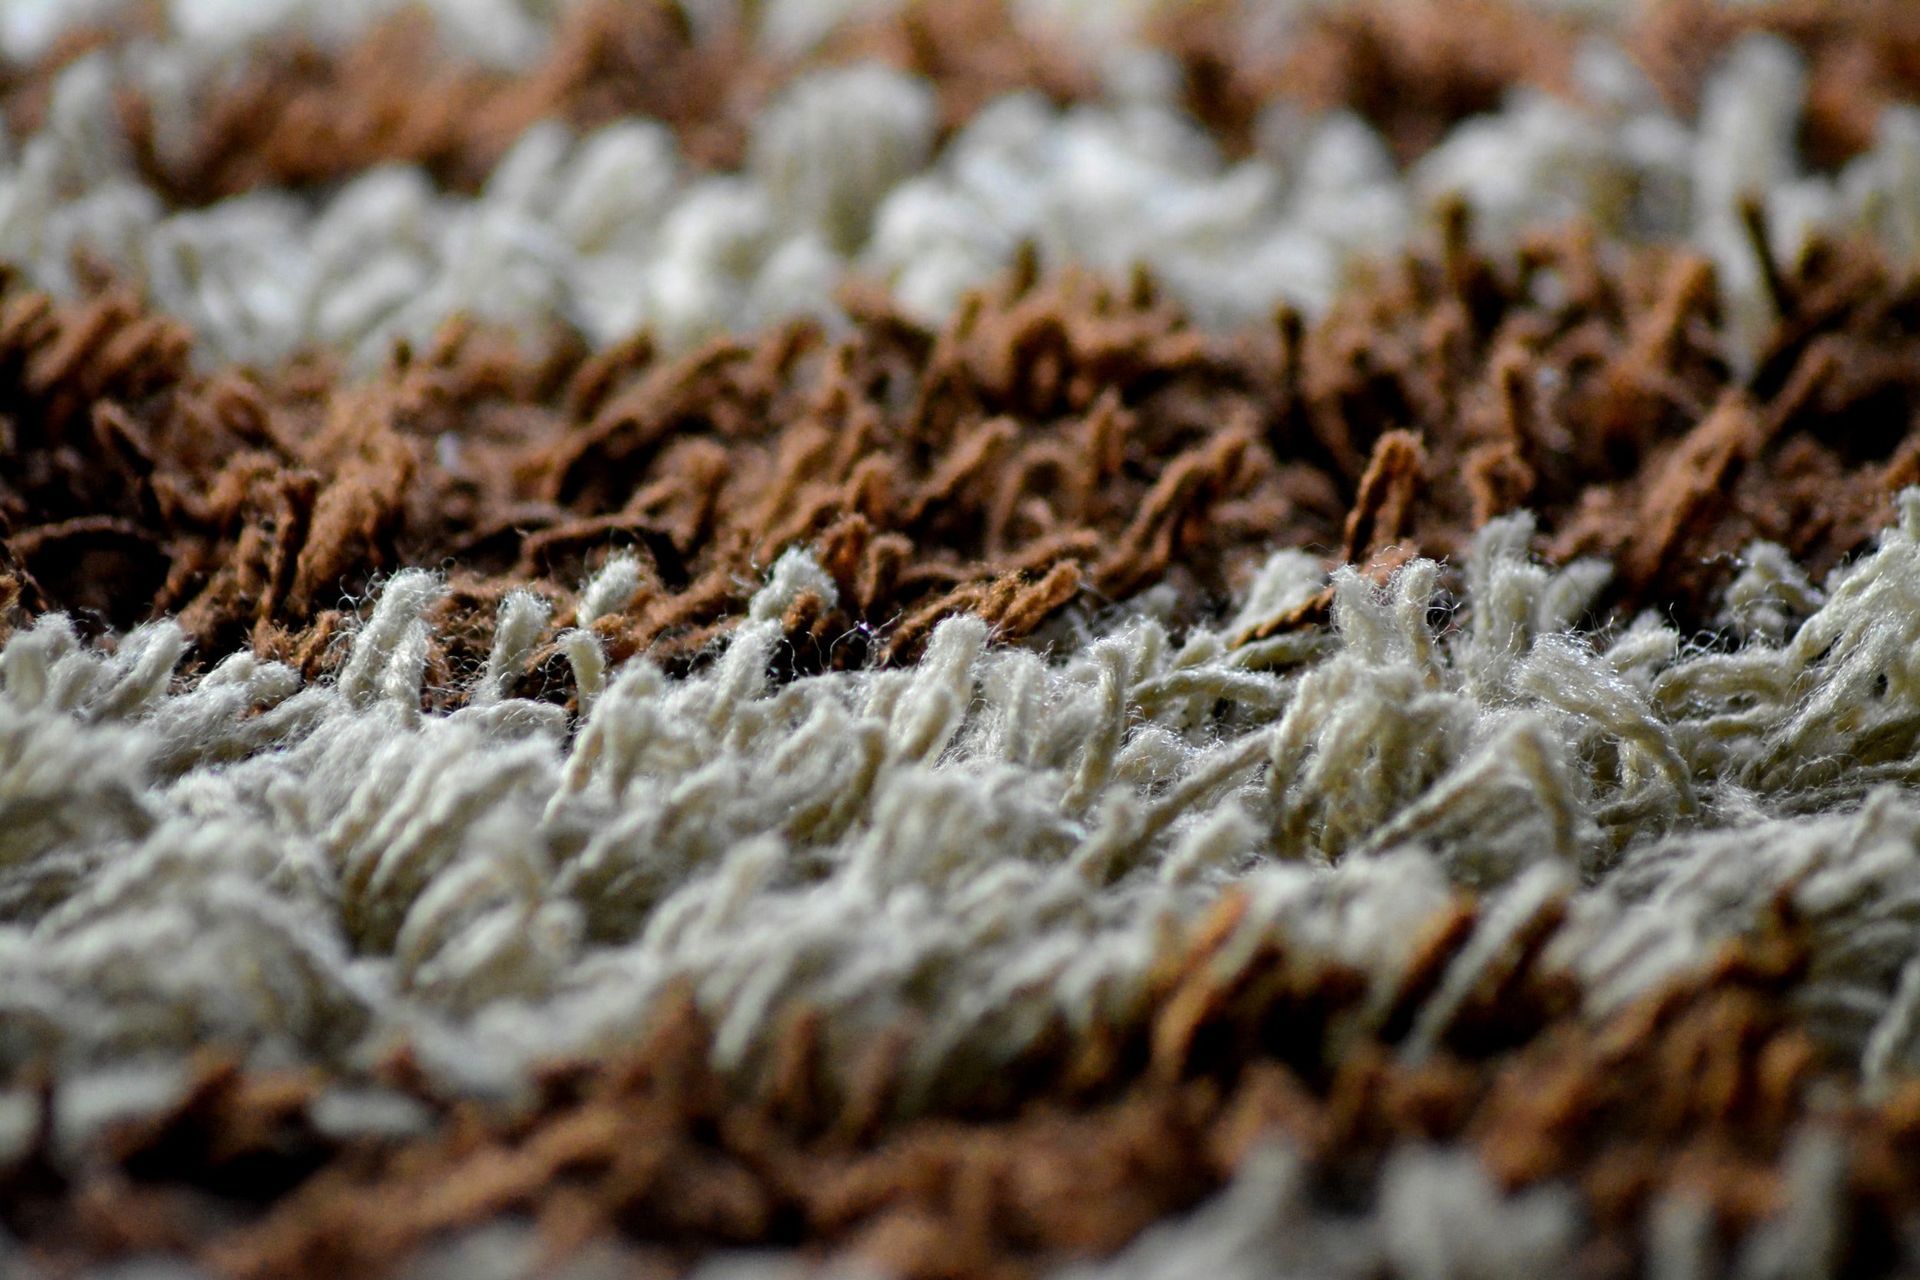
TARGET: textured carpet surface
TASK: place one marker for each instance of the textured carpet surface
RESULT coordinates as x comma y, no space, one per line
959,639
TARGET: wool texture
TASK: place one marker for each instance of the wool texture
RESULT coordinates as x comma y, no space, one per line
608,230
992,640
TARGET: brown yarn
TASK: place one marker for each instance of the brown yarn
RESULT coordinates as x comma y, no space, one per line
1807,454
1415,68
295,114
1059,445
971,52
291,113
1863,56
1074,1150
1055,443
1411,68
1040,442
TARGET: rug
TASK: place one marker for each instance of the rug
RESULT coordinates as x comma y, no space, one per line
993,638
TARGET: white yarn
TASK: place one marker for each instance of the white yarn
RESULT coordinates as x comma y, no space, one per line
994,843
836,143
607,234
1437,1215
505,33
987,841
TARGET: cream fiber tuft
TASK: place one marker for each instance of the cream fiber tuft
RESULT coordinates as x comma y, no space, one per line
611,232
989,839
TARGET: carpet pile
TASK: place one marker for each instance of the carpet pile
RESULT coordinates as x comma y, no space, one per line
967,639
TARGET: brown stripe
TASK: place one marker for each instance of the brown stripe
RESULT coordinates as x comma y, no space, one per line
297,115
293,114
1062,439
1416,68
1698,1088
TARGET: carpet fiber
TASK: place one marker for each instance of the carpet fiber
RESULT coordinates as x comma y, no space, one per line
1093,641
